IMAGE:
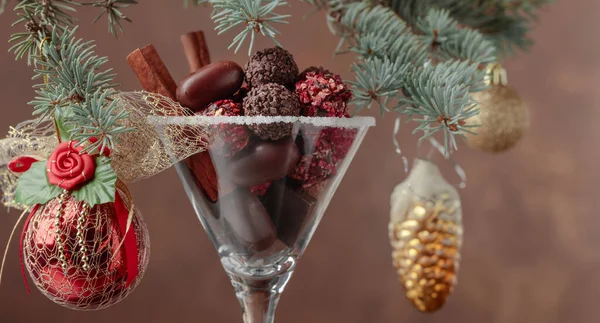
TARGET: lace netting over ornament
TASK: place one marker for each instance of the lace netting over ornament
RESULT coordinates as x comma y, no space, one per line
29,138
67,283
138,155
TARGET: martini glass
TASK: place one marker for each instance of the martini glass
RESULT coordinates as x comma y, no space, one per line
271,195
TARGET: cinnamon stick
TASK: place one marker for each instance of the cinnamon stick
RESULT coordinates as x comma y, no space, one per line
154,77
152,72
195,49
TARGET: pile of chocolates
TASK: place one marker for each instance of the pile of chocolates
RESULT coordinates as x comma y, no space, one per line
264,178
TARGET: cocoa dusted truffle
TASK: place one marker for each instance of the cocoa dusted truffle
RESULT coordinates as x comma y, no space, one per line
322,93
271,100
271,65
230,138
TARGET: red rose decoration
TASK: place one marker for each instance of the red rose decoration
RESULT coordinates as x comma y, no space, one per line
68,168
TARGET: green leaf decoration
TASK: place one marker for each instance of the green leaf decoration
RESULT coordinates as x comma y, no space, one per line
33,186
63,127
102,188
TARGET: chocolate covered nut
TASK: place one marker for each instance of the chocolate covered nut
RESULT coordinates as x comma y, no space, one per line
289,209
264,161
248,219
211,83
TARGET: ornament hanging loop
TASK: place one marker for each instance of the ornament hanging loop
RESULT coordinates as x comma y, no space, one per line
47,82
439,148
43,58
495,75
397,144
436,146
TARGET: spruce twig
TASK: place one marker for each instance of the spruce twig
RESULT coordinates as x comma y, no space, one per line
78,89
113,11
254,16
75,88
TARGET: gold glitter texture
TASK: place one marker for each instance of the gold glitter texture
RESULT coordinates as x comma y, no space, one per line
503,116
426,253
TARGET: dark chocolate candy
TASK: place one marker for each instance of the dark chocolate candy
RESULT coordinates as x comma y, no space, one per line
289,209
248,219
213,82
264,161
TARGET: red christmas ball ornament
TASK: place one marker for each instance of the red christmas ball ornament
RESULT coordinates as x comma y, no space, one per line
78,256
229,139
322,93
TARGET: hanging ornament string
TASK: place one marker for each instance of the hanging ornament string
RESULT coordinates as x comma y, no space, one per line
47,81
397,144
129,241
457,168
436,146
12,233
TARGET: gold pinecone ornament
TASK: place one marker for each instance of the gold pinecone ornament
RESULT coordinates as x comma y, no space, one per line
426,236
503,115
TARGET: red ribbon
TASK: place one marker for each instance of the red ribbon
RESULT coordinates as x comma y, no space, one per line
130,243
35,208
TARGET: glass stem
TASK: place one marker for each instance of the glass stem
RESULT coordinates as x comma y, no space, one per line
258,306
259,298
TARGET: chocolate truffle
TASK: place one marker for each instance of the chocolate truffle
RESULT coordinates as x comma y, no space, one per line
271,65
271,100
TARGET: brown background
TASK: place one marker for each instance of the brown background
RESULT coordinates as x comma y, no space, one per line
531,215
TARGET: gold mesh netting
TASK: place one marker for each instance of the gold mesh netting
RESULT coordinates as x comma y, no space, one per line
426,254
142,154
104,282
138,155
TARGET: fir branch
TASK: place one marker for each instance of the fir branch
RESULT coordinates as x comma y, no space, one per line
428,68
40,17
98,117
377,82
3,4
193,3
505,23
71,63
440,95
76,85
112,10
50,99
254,16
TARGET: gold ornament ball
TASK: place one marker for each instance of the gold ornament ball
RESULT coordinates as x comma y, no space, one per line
503,117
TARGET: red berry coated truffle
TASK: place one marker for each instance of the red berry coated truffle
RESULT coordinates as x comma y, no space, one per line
261,189
229,138
320,159
322,93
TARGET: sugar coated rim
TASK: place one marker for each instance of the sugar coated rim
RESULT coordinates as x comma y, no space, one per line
355,122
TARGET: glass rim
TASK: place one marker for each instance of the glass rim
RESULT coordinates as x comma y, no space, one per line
354,122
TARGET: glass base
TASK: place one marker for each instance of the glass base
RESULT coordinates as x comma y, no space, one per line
259,288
